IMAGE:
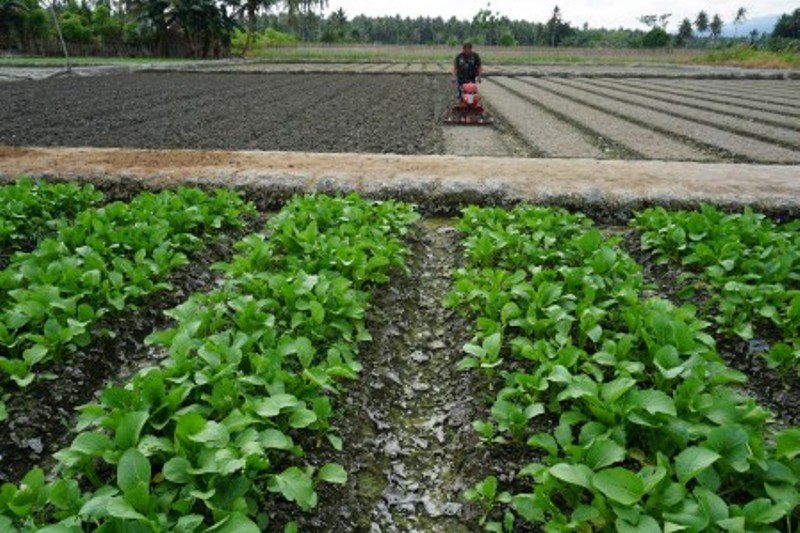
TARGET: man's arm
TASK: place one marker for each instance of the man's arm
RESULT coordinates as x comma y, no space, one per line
478,65
455,67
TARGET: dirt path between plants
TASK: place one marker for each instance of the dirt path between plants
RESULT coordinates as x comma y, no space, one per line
409,447
440,184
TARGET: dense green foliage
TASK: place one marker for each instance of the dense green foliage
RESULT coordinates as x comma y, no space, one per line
632,420
748,265
788,26
107,259
209,436
30,210
203,28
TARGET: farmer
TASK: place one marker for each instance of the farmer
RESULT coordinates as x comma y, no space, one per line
466,68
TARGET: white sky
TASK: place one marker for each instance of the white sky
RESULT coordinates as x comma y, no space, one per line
597,14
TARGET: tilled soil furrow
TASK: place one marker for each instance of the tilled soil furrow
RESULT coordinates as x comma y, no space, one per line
113,121
331,113
41,415
715,138
743,104
788,89
764,132
692,100
180,117
635,138
409,448
546,134
737,90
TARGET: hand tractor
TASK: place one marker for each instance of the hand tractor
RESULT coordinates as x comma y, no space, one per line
468,110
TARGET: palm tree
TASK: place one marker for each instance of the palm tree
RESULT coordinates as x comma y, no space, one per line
741,16
250,9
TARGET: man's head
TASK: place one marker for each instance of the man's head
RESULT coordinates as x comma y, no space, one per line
467,49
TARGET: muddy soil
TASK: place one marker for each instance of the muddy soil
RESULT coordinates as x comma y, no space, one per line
41,416
779,394
319,113
409,447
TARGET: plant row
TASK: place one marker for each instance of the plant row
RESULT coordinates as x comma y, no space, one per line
208,439
31,210
630,419
748,265
107,259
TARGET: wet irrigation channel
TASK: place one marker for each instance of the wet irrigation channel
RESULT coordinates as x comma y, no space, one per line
407,422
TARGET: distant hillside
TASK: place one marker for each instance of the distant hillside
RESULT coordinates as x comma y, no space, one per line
761,24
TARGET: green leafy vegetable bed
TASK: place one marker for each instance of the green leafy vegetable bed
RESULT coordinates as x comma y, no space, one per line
207,438
32,210
632,419
748,264
105,260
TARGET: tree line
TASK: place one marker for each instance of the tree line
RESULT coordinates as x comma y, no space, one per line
206,28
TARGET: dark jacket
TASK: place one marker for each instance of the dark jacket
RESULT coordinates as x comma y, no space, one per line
467,68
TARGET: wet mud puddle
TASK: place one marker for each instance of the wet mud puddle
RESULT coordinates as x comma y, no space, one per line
409,445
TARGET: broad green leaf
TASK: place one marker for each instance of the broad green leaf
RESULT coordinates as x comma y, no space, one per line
277,440
213,435
133,478
296,485
646,524
579,474
129,428
763,511
109,506
336,441
692,461
302,418
788,443
613,390
656,402
619,485
91,443
176,470
332,473
603,453
272,406
188,523
235,523
525,505
733,444
713,505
